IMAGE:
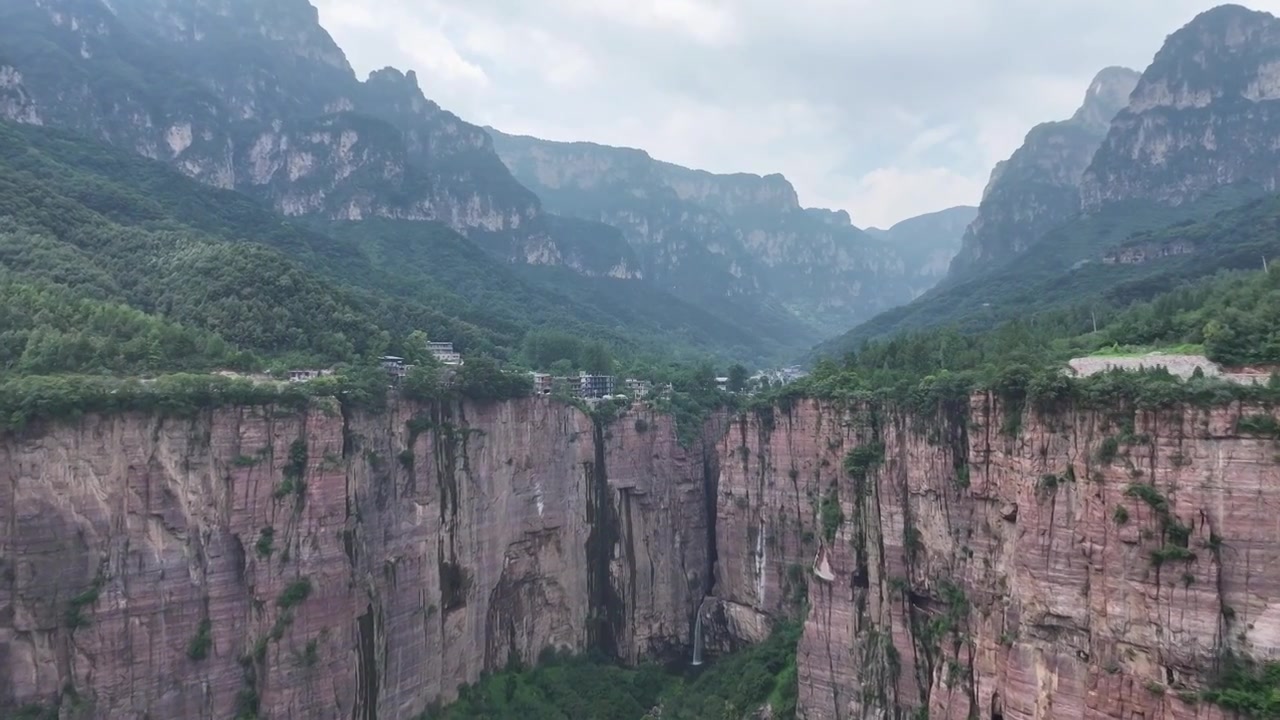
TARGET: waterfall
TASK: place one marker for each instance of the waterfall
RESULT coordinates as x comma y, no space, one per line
697,632
697,639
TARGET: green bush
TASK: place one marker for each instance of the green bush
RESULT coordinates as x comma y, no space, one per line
297,592
198,648
563,686
832,515
1263,425
75,609
1246,687
266,542
862,459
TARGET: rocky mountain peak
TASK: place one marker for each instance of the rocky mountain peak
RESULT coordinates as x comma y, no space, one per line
397,94
835,218
1038,186
1203,115
394,78
1108,94
293,24
1226,52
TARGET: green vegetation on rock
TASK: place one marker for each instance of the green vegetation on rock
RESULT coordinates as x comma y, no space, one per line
1248,688
1224,230
1234,315
564,687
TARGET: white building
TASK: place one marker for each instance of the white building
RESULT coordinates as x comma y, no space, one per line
444,353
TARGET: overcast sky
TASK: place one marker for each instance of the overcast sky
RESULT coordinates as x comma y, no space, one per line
884,109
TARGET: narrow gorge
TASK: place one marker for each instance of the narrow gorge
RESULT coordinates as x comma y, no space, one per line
970,561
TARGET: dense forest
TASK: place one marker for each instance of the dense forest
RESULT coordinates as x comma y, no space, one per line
231,283
1079,264
1233,318
564,687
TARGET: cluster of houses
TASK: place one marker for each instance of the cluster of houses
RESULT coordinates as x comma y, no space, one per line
780,376
594,387
395,367
443,352
584,385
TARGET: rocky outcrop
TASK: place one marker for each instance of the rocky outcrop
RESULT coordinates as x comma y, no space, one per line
258,98
990,563
1038,187
712,238
1204,115
331,564
15,103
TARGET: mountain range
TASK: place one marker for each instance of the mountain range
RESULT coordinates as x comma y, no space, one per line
1099,214
650,256
258,98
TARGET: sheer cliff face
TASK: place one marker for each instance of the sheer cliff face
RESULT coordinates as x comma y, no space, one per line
1087,568
1038,187
1203,116
436,542
731,235
257,97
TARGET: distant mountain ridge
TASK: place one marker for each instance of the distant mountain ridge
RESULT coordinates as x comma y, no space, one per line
257,97
1038,187
1174,190
929,242
713,237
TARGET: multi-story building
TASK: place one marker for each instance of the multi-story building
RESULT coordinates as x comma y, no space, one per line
543,383
444,353
394,366
595,386
638,389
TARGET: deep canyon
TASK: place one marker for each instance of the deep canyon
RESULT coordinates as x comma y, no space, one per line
972,560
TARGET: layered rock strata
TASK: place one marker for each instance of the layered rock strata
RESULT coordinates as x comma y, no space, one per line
996,564
325,564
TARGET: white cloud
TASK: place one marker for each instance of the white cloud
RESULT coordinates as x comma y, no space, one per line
885,109
887,195
708,21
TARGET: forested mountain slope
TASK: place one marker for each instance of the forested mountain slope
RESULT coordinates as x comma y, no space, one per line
1126,252
82,220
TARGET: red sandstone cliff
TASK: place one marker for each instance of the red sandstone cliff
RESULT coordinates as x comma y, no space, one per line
976,574
435,542
361,566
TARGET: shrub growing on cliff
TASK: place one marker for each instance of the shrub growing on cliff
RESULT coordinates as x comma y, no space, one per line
860,460
1171,553
832,514
75,609
198,648
1262,425
266,542
294,595
297,465
1247,687
1149,495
